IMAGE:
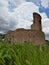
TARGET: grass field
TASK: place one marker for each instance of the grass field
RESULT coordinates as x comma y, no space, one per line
24,54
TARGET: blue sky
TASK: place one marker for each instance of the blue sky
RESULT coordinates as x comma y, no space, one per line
41,8
18,14
37,2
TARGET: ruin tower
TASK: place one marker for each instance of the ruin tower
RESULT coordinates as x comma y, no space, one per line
39,36
36,22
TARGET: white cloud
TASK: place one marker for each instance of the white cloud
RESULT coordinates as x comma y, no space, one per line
24,24
3,3
46,25
21,17
45,3
25,10
23,14
17,2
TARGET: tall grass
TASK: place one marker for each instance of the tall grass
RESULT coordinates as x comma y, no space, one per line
24,54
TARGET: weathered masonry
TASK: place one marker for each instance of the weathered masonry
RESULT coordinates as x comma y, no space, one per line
34,35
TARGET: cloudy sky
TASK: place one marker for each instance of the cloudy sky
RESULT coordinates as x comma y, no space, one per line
18,14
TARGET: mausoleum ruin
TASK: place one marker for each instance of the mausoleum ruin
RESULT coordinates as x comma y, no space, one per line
33,35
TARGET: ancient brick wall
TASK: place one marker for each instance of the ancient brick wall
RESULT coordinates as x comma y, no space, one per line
21,36
34,35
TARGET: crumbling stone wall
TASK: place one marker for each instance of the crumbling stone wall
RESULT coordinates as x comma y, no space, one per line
37,22
34,35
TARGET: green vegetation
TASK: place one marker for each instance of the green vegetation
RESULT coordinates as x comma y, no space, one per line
24,54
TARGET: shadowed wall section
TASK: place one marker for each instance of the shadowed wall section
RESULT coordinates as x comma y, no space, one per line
33,35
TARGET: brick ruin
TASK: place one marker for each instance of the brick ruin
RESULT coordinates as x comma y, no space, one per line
33,35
